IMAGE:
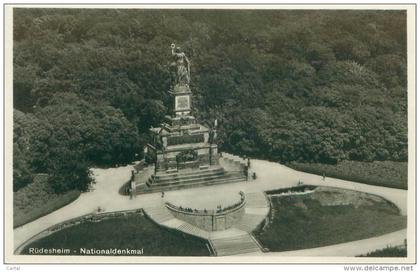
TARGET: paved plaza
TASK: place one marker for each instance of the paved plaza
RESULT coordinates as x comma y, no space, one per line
270,175
209,201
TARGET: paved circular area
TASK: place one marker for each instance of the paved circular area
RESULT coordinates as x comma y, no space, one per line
270,176
203,200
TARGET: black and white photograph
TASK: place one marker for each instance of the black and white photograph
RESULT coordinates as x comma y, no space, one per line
210,134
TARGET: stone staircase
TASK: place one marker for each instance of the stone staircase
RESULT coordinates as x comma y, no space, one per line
231,170
249,222
189,180
257,200
256,211
163,217
235,163
193,230
172,178
159,213
233,242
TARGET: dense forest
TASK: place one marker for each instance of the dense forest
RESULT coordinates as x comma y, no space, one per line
285,85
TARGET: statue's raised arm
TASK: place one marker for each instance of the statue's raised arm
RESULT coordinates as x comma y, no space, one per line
182,66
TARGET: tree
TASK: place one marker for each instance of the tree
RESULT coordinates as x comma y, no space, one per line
69,171
285,85
103,133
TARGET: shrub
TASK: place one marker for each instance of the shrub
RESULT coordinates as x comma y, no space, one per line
38,199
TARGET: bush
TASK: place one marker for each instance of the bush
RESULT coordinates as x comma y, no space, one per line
38,199
69,171
294,91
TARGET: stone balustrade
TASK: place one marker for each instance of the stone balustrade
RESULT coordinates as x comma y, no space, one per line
211,220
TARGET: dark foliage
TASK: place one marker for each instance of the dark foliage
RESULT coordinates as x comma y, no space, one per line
38,199
388,252
135,231
287,85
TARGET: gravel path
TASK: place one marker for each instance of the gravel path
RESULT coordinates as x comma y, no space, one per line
270,176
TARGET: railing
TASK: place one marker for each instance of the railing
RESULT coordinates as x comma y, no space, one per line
219,211
211,220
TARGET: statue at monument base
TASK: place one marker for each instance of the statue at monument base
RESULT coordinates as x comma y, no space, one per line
184,152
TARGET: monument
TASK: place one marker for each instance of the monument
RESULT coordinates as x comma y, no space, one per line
184,152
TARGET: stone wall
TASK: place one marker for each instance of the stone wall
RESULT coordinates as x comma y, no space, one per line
203,221
210,220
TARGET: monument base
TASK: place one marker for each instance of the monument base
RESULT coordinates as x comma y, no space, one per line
184,180
188,178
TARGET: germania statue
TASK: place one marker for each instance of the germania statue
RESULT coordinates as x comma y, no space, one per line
182,66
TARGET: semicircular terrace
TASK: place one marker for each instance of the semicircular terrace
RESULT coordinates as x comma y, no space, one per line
270,176
211,219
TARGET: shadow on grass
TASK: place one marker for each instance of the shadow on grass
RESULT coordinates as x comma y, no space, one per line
321,219
130,232
38,199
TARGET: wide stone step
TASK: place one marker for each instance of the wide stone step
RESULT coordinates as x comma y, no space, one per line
180,175
198,179
228,245
235,245
193,230
236,249
249,222
186,179
151,188
256,200
193,180
159,214
237,252
232,239
191,185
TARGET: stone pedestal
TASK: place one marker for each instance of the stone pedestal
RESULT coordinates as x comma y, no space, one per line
183,151
182,146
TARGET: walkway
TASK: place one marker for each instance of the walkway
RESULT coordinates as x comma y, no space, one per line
349,249
233,241
270,176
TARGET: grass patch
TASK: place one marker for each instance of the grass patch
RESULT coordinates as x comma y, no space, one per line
301,221
388,252
382,173
133,231
38,199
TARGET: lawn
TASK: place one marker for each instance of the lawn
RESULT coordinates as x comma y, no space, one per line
37,199
327,217
133,231
383,173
